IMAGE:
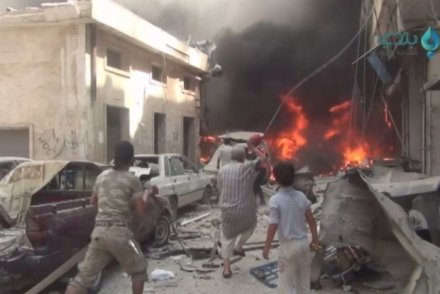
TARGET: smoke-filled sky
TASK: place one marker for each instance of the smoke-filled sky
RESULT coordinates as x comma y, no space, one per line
264,47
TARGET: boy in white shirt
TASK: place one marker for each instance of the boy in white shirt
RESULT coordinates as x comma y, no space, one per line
289,212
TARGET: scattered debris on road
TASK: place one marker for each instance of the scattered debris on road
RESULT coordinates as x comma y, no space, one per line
161,275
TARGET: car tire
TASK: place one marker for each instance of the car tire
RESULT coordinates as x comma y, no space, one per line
96,285
174,206
207,193
162,231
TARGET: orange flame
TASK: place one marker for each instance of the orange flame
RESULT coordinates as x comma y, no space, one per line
205,159
356,155
354,151
340,121
211,139
290,140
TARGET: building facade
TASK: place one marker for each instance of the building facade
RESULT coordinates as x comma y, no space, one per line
78,77
416,77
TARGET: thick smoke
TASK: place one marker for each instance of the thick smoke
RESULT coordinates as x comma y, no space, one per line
265,47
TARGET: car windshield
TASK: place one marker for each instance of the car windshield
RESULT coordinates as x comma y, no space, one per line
5,168
151,162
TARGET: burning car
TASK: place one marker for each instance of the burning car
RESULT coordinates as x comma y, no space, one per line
46,217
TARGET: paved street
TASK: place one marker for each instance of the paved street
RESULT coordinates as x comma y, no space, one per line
241,282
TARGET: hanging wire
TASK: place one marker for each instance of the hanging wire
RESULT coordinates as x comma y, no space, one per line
434,11
317,71
396,129
364,94
356,72
370,110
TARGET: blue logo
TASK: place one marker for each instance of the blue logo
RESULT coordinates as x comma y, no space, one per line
430,42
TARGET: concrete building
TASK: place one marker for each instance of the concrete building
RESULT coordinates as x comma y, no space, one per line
78,77
417,78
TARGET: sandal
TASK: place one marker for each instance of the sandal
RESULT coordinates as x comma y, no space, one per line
227,276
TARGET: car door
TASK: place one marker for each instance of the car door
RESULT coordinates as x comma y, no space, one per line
164,181
180,181
196,184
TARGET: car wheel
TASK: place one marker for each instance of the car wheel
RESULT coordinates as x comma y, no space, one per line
96,286
207,193
162,231
174,207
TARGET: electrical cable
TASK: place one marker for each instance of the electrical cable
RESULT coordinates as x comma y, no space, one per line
364,94
317,71
394,125
370,110
356,71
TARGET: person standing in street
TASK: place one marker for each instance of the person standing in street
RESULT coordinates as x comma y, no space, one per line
224,153
289,212
237,201
116,194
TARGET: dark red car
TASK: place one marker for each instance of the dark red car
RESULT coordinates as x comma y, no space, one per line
46,217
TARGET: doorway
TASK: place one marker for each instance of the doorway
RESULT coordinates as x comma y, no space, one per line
189,138
118,127
159,133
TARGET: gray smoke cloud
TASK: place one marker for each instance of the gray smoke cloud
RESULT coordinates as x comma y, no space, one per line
265,47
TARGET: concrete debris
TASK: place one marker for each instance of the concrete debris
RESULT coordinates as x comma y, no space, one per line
210,265
347,288
381,285
177,258
364,229
203,277
161,275
166,284
342,262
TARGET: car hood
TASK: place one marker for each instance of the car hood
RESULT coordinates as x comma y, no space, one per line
18,187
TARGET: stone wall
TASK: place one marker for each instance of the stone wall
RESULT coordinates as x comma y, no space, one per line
40,88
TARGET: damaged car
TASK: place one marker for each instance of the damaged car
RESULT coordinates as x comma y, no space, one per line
46,217
9,163
175,177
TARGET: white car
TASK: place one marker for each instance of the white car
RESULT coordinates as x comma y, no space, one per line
175,176
238,139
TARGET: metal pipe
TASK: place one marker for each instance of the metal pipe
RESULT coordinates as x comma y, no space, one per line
93,53
424,169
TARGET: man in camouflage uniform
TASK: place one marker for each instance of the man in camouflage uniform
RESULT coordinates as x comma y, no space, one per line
116,194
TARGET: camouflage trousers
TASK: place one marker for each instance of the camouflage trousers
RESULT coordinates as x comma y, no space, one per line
108,243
